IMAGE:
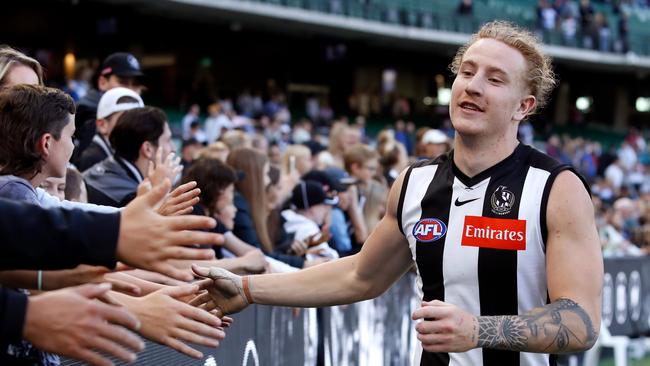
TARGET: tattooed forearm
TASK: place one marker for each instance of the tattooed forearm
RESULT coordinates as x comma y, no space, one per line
503,332
562,326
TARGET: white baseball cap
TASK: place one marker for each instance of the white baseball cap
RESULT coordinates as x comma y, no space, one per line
434,136
108,103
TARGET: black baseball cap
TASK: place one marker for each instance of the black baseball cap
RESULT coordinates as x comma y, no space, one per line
341,177
310,193
122,64
329,182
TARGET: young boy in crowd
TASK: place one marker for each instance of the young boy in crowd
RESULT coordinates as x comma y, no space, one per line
36,128
70,188
312,211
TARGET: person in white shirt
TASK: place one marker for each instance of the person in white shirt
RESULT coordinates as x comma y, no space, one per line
312,210
216,122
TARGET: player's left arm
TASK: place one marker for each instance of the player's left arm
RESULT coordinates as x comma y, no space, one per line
574,267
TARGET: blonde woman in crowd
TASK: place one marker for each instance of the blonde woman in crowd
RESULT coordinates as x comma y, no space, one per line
342,136
236,138
18,68
216,150
296,161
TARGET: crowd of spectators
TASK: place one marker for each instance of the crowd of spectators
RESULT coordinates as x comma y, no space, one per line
307,191
285,195
79,279
619,179
581,25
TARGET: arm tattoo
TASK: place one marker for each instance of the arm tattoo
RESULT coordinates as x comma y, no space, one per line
562,326
504,332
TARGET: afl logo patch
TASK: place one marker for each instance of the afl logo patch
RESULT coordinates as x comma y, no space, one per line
428,229
502,201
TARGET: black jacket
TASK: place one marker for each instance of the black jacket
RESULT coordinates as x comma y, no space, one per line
98,150
37,238
111,182
84,120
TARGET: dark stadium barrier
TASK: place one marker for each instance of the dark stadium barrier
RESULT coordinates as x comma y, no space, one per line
374,332
626,296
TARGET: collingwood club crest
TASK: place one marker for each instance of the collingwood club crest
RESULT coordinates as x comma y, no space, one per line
502,201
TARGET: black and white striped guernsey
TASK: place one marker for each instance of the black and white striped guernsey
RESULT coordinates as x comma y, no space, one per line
479,243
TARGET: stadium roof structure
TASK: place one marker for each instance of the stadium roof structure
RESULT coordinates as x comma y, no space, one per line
271,15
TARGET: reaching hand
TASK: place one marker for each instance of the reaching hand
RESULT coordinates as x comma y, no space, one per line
53,280
72,323
254,262
181,200
169,321
353,192
178,202
225,291
148,240
299,247
319,238
160,170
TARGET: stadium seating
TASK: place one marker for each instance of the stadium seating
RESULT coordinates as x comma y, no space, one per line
441,15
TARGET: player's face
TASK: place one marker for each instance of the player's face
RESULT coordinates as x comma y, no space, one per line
489,94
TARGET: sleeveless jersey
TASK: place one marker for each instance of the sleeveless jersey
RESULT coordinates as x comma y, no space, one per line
479,242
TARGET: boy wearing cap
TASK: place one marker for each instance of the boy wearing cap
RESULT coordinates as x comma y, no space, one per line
118,69
312,210
111,106
347,226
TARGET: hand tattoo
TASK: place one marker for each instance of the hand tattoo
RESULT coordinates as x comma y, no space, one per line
561,326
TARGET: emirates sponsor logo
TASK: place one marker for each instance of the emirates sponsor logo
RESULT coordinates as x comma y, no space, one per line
487,232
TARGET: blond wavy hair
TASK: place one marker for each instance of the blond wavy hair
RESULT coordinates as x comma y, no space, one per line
540,77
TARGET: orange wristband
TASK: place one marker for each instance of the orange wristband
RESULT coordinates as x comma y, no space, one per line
247,290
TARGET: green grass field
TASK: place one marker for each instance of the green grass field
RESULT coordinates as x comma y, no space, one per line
610,362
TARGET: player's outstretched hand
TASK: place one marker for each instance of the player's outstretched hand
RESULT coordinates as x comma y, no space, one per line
73,323
148,240
225,291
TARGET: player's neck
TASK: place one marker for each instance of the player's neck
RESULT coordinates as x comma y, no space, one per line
474,155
